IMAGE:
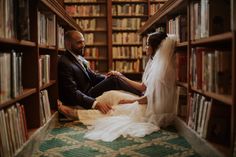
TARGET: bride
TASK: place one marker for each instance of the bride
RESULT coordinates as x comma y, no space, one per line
132,115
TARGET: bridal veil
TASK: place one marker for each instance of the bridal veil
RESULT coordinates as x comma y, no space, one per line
161,89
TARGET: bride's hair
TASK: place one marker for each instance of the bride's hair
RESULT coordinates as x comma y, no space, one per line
155,39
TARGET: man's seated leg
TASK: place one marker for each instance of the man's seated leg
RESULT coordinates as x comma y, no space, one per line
112,83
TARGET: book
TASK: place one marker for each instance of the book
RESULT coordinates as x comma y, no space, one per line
2,33
205,117
14,74
182,101
24,121
218,130
219,16
4,134
23,20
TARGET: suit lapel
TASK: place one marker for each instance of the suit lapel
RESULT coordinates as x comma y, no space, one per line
73,59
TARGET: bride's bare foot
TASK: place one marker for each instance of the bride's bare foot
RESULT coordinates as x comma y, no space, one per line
69,112
126,101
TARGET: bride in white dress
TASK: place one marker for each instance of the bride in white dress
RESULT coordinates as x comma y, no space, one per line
132,115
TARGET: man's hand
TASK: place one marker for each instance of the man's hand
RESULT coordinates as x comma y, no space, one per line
104,108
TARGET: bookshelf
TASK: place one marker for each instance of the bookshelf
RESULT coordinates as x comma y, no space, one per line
117,27
127,18
28,68
92,17
205,70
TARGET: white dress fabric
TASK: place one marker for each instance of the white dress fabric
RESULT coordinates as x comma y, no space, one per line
134,119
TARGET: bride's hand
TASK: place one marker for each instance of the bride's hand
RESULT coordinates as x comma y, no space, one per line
126,101
114,73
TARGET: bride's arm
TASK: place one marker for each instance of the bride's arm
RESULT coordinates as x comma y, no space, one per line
141,100
137,85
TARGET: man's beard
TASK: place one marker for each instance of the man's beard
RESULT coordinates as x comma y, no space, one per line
81,52
78,51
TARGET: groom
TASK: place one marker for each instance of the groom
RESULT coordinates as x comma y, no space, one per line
78,84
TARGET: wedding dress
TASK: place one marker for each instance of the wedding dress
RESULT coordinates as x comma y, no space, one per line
134,119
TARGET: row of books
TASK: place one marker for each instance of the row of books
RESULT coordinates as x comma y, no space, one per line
98,65
46,28
157,0
144,62
127,0
209,18
199,114
178,26
124,66
87,24
95,38
181,66
155,7
13,130
66,1
210,70
14,21
182,101
45,112
92,24
127,24
124,38
129,9
134,52
44,69
89,38
91,52
60,35
210,119
86,10
11,75
93,65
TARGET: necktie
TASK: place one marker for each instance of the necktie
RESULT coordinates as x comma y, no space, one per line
83,62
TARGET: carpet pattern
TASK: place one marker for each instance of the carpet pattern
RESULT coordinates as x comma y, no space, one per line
66,140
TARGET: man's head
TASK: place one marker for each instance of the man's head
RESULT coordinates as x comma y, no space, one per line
74,41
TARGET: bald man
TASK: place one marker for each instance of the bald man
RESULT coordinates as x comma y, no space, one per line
78,84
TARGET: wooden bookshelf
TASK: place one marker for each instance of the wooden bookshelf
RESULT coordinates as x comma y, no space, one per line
95,26
22,92
109,18
211,44
121,47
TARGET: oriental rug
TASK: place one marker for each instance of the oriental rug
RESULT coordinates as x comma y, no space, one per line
67,140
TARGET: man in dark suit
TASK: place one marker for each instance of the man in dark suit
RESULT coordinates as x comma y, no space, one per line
78,84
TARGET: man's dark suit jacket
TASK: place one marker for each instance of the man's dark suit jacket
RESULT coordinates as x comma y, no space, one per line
74,82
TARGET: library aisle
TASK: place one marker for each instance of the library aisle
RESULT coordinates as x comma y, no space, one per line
32,40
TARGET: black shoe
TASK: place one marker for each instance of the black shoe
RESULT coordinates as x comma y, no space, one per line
62,118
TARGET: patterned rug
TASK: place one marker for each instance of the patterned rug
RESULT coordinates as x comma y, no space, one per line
67,140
